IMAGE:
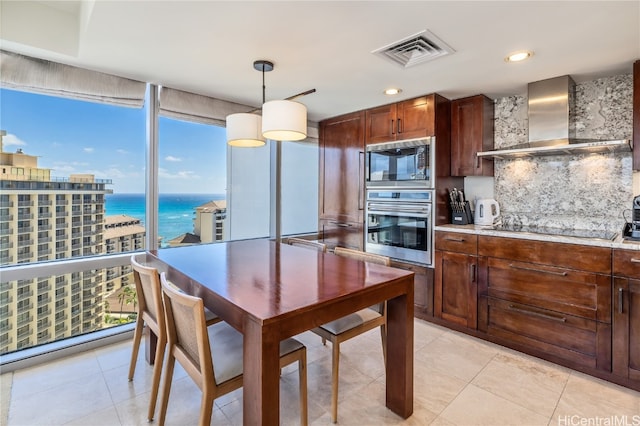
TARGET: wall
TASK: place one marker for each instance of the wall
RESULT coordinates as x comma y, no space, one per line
582,191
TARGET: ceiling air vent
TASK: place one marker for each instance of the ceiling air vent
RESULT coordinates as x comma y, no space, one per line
416,49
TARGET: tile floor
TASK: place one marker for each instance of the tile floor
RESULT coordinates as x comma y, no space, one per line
459,380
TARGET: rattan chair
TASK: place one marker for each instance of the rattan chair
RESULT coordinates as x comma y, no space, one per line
307,244
352,325
198,349
151,313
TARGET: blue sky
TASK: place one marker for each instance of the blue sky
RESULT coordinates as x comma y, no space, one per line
72,136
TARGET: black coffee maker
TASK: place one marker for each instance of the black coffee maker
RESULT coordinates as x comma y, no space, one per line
635,223
632,229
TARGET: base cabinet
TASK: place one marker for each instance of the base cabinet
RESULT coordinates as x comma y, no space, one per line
626,314
423,288
558,307
456,285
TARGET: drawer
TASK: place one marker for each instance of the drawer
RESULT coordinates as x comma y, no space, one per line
575,339
567,291
626,263
457,242
570,256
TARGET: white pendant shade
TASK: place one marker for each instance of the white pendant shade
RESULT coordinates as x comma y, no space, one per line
244,130
284,120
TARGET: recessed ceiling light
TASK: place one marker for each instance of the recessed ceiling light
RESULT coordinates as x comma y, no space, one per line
392,91
518,56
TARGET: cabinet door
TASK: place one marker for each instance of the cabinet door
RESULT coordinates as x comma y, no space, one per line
471,131
636,115
415,118
455,290
626,328
342,168
381,124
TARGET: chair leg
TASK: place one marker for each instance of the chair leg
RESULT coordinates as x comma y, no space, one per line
302,377
206,408
334,381
166,387
137,337
383,336
157,372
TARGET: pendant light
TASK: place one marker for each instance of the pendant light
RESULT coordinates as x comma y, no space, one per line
284,120
245,129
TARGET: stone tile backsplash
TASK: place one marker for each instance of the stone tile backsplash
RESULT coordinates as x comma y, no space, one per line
581,191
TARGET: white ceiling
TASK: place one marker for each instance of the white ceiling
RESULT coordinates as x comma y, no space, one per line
208,47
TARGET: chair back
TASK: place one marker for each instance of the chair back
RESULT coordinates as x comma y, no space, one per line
149,295
187,332
381,308
307,244
364,256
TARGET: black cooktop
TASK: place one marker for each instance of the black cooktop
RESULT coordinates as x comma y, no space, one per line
564,232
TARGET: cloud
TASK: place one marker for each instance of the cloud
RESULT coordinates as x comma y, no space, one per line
88,150
122,151
172,158
11,139
184,174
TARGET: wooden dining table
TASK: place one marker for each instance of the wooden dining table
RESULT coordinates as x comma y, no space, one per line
270,291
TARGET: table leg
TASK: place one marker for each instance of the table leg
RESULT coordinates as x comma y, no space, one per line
261,381
400,355
150,345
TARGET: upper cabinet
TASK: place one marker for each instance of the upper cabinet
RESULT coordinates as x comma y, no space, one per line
636,115
342,169
414,118
471,132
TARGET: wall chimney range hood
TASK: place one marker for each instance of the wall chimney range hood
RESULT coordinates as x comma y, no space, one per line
552,125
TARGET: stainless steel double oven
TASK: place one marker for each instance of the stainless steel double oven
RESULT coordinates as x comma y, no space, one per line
399,200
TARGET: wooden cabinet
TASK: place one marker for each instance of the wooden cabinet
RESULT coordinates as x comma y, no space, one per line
472,128
341,168
626,314
456,271
636,115
423,287
552,299
414,118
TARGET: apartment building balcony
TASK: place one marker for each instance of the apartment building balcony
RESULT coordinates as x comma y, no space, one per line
45,227
6,217
5,204
62,214
43,240
62,225
76,201
25,243
6,231
60,202
45,202
25,203
25,257
6,246
45,215
62,248
25,332
24,229
44,301
45,252
25,216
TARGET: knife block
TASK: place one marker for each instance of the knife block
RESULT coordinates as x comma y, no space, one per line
461,213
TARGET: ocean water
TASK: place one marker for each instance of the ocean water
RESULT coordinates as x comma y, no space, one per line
175,215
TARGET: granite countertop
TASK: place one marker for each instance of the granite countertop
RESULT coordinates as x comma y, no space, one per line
617,242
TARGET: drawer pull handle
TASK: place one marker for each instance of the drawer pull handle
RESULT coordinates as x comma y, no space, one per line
620,300
537,314
634,260
561,274
457,240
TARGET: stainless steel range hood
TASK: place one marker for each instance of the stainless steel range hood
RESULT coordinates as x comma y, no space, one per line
552,124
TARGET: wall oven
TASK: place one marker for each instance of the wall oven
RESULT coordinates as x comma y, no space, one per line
399,224
404,163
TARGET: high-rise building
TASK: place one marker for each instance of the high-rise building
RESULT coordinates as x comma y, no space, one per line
43,218
208,225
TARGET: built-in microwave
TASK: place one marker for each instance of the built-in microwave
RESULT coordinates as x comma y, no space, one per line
402,163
